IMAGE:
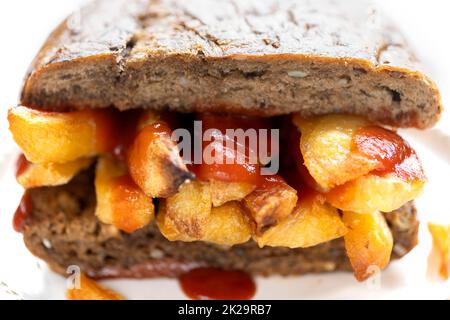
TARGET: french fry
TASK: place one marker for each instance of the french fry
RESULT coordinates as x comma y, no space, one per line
51,174
313,222
120,201
189,216
368,243
189,210
91,290
271,205
154,160
372,193
326,146
441,242
226,225
223,192
54,137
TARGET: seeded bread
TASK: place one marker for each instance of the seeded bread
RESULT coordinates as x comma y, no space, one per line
64,231
262,57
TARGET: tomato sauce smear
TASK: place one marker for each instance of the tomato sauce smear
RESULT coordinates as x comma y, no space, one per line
229,169
22,165
393,153
217,284
22,213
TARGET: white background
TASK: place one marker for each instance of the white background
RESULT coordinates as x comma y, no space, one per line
25,24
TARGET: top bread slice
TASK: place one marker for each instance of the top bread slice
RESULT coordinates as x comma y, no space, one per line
262,57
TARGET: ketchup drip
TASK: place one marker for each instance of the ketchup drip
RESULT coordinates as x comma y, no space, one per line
122,138
22,213
393,153
24,209
124,195
217,284
22,165
230,170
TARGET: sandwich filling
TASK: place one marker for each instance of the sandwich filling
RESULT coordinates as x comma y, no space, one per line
315,180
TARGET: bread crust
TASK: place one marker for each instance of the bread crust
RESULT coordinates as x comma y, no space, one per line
251,56
64,231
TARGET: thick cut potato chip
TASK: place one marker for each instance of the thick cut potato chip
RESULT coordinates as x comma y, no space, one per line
326,146
223,192
270,205
226,225
373,193
120,201
51,174
190,209
441,242
55,137
312,222
368,243
155,163
91,290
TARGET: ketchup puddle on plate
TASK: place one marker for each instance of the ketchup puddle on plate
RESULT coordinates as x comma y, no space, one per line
217,284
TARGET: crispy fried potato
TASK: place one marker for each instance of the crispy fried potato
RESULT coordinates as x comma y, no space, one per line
269,206
155,163
372,193
50,137
190,209
226,225
51,174
312,222
223,192
120,201
441,242
368,243
326,145
91,290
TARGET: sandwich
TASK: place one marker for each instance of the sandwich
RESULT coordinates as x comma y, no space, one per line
322,85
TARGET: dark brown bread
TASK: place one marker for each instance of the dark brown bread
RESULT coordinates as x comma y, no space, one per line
64,231
261,57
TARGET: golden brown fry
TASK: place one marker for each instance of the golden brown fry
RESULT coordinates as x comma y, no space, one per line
51,174
269,206
368,243
90,290
52,137
155,163
312,222
189,216
226,225
326,146
441,242
120,201
373,193
190,208
223,192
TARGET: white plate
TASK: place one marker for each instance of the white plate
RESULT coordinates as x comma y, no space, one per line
409,278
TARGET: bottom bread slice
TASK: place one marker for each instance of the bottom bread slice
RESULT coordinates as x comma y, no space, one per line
63,231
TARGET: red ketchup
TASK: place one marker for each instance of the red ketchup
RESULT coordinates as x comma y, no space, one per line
22,214
24,209
394,154
22,165
246,172
217,284
124,195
